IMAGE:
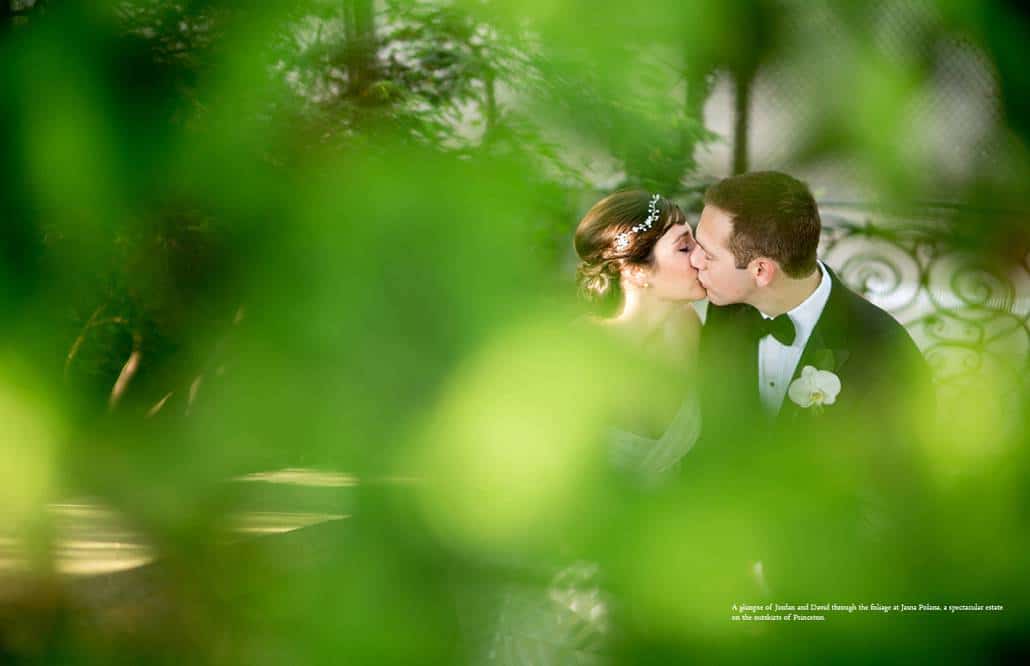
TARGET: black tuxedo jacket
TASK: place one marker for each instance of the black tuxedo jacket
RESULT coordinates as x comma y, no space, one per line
882,372
833,490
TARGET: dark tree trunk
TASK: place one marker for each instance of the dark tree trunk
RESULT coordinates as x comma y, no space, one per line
490,110
6,15
359,22
742,80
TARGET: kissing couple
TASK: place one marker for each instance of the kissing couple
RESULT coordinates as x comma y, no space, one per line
786,352
795,406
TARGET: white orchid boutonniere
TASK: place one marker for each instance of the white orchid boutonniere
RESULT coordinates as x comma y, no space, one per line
814,389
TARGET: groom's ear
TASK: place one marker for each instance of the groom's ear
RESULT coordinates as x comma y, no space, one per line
764,271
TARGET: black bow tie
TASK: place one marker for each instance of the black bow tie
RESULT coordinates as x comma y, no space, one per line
781,328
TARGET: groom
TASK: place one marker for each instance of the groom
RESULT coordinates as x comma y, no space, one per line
802,377
775,310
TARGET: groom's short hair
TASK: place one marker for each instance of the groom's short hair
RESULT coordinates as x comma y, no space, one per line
774,215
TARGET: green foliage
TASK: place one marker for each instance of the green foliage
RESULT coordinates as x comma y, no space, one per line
242,236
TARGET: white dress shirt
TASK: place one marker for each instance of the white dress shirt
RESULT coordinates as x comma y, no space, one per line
778,362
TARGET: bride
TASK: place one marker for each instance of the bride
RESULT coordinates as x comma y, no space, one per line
634,251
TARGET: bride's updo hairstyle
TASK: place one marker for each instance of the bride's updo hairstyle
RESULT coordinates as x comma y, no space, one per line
613,235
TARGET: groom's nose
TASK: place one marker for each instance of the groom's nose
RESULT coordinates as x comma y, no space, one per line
696,257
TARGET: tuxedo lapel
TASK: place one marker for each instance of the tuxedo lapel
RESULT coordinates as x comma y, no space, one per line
824,352
730,357
744,325
827,347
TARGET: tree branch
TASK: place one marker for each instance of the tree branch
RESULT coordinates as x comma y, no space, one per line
127,373
74,350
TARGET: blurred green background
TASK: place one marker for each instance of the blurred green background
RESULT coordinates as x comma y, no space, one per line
336,235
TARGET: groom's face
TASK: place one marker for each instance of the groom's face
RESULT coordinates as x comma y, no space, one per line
716,266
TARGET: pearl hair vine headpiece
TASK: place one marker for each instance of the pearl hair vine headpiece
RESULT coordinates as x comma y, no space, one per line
622,240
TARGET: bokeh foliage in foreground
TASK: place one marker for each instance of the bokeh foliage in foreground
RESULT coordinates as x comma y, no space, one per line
336,234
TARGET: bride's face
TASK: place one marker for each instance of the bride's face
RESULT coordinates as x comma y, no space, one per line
671,276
